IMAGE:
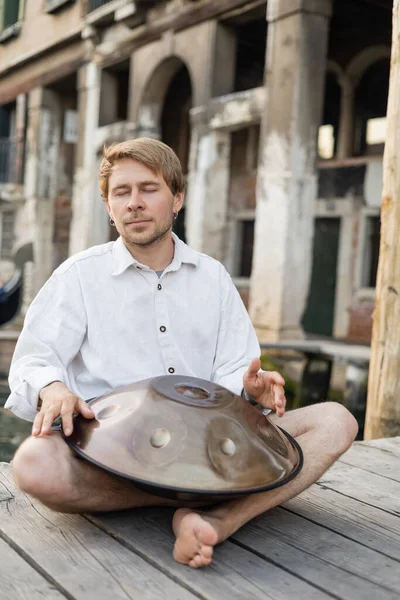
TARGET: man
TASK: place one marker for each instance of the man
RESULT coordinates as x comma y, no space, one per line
143,306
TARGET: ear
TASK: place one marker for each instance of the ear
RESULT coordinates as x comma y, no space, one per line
178,201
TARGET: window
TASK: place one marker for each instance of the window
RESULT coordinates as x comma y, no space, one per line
246,242
11,13
370,109
371,252
326,142
93,4
376,135
7,218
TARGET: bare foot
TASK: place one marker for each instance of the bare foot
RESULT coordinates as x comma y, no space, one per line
195,538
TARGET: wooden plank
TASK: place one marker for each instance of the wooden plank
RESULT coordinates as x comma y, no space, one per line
322,557
20,581
392,444
85,562
366,487
360,522
234,574
381,461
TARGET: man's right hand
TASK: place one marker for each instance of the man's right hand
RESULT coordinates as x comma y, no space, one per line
58,400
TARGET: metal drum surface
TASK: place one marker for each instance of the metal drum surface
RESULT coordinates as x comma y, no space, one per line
186,438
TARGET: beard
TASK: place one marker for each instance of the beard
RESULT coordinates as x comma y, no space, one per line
147,237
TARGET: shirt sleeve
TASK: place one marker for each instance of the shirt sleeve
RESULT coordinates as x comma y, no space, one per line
54,328
237,343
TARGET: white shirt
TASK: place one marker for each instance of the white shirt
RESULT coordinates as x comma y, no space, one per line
103,320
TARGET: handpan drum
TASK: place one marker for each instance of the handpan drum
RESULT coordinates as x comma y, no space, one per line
186,438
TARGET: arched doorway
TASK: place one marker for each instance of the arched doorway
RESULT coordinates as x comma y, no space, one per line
175,127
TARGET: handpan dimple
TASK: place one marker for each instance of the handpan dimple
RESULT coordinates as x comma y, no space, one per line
108,411
228,446
160,437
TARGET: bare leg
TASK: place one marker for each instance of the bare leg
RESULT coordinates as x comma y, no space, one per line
324,432
47,469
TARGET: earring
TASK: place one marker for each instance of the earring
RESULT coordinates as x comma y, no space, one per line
112,223
175,215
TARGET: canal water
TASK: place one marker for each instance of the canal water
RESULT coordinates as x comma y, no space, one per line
12,429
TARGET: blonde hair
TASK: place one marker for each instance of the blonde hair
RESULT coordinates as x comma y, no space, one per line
153,154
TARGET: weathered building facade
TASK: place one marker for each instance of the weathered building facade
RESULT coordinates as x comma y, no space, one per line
276,110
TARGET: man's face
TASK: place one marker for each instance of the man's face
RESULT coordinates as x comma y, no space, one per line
140,203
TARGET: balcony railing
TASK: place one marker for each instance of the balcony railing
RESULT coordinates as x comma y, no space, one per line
11,160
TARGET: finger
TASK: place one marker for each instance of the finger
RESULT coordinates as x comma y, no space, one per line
276,378
37,424
280,401
85,410
66,417
254,367
48,418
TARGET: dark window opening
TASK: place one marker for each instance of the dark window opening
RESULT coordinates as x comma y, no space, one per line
371,253
246,247
114,98
10,13
175,128
11,146
93,4
250,54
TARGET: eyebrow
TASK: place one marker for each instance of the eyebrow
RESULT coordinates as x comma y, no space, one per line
119,187
149,182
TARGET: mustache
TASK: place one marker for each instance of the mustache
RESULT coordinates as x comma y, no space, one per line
134,219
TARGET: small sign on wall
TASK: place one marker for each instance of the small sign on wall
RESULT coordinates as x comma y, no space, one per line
70,126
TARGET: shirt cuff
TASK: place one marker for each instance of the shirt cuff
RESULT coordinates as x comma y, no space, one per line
24,397
39,378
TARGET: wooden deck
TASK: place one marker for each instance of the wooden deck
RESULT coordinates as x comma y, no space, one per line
339,539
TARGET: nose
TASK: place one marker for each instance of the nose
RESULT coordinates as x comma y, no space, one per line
135,201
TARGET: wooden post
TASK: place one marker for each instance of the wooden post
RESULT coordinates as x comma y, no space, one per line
383,405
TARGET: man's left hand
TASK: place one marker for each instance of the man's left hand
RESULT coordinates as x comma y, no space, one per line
266,387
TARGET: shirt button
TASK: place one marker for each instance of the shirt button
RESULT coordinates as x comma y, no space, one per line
159,287
171,370
162,328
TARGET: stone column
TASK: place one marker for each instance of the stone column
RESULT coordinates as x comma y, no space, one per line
86,199
208,179
43,140
287,177
208,189
346,126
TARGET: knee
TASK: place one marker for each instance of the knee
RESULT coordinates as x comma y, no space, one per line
34,469
340,425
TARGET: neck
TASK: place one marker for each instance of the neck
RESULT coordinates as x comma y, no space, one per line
157,255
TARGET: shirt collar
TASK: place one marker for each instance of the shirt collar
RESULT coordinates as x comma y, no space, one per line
122,258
